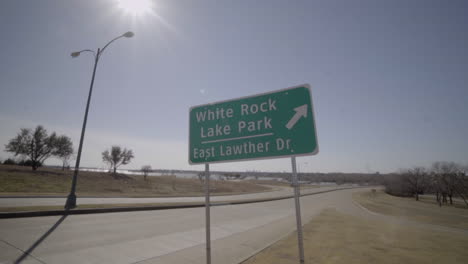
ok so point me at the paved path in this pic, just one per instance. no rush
(35, 201)
(169, 236)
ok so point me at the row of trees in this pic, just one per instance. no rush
(37, 146)
(445, 180)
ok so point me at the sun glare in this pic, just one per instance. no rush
(135, 7)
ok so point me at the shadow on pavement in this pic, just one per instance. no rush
(40, 240)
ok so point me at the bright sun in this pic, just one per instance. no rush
(135, 7)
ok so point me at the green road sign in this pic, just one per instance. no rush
(270, 125)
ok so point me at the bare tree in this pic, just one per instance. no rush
(446, 177)
(63, 149)
(416, 180)
(146, 169)
(117, 157)
(36, 145)
(462, 187)
(438, 182)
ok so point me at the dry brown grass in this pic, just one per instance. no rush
(22, 180)
(334, 237)
(424, 211)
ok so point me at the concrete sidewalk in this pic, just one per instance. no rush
(170, 236)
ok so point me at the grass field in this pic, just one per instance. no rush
(424, 211)
(334, 237)
(17, 180)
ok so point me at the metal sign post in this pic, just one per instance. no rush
(207, 211)
(275, 124)
(298, 210)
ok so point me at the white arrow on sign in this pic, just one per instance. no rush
(301, 111)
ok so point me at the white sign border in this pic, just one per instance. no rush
(315, 152)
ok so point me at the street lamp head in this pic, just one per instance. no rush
(129, 34)
(75, 54)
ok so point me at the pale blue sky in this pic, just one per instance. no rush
(389, 78)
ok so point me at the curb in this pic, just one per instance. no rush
(150, 208)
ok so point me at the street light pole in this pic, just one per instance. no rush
(71, 199)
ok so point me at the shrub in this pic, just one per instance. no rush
(9, 162)
(29, 163)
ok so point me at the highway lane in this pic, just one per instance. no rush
(169, 236)
(35, 201)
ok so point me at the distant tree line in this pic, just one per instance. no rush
(445, 180)
(339, 178)
(36, 146)
(19, 162)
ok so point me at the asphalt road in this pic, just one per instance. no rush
(34, 201)
(169, 236)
